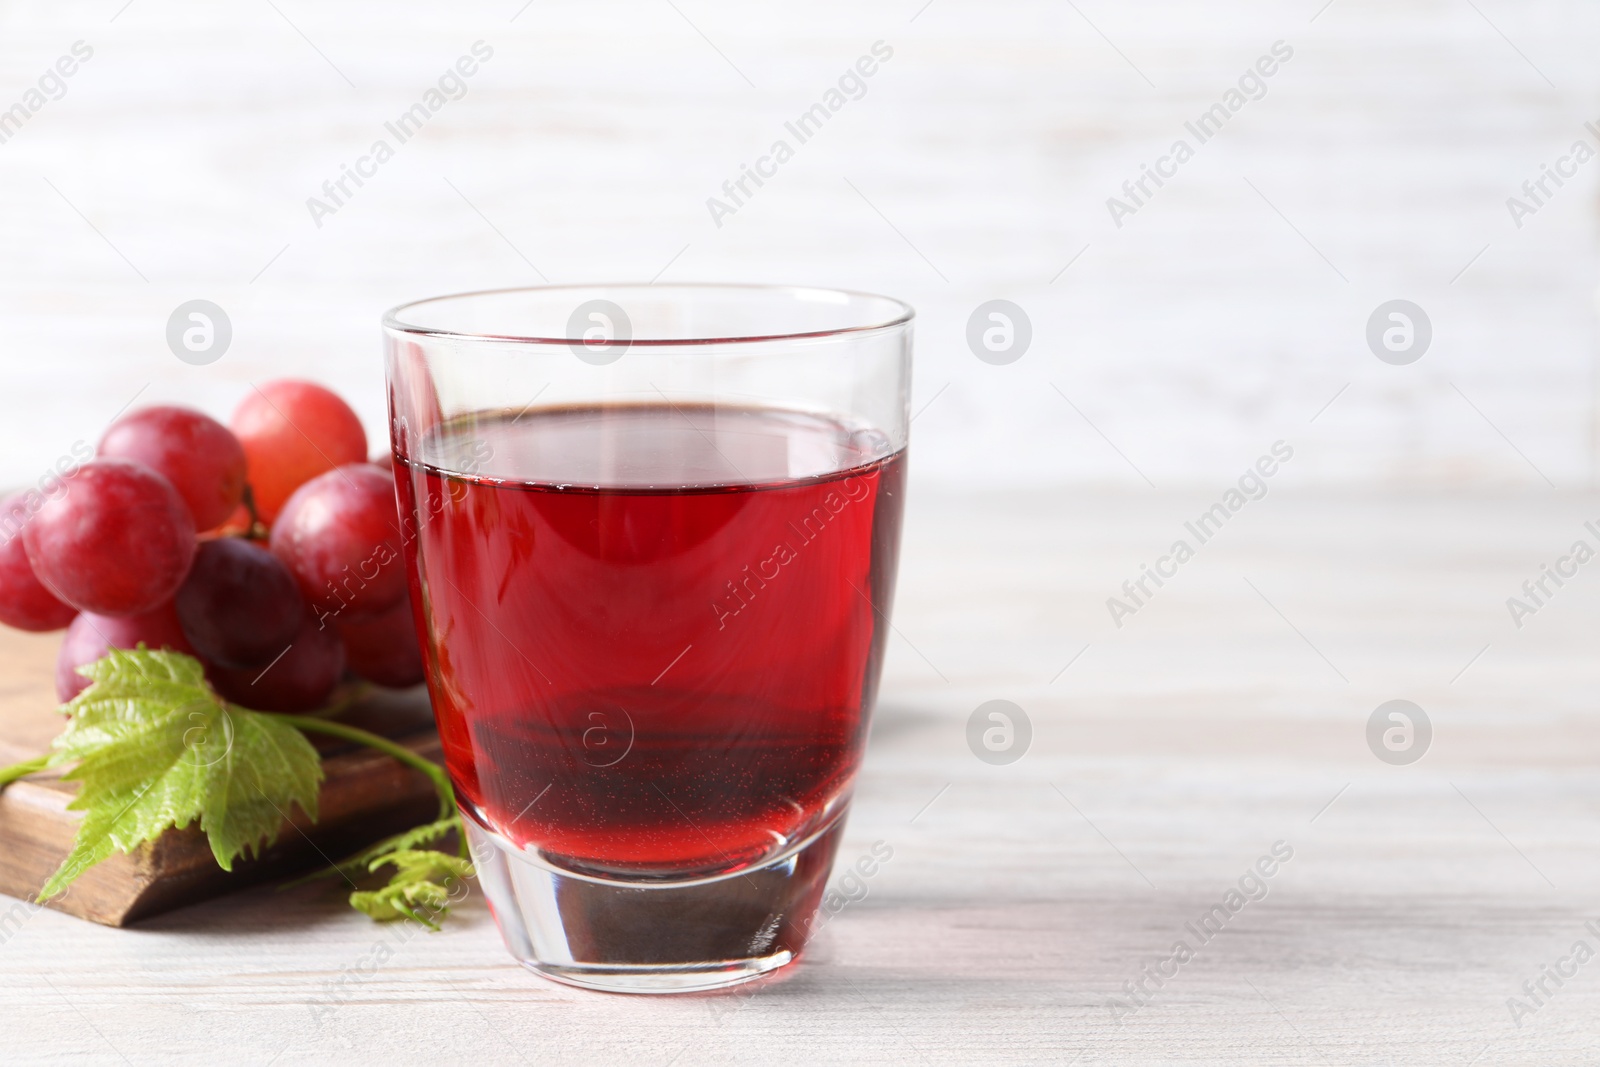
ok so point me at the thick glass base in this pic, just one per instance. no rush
(654, 936)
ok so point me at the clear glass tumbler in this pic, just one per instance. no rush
(652, 539)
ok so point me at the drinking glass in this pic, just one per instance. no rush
(652, 533)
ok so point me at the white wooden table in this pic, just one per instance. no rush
(1228, 714)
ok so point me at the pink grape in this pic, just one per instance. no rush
(384, 650)
(117, 541)
(24, 601)
(239, 606)
(200, 457)
(340, 536)
(90, 635)
(299, 680)
(292, 431)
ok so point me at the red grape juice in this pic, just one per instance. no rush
(653, 632)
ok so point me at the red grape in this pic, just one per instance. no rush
(196, 453)
(298, 680)
(118, 541)
(340, 535)
(292, 431)
(24, 601)
(240, 605)
(384, 650)
(90, 635)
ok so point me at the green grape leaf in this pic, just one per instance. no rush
(155, 748)
(422, 887)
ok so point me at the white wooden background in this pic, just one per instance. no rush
(976, 166)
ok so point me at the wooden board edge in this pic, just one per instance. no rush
(365, 796)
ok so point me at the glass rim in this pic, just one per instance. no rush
(903, 315)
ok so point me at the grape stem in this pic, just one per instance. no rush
(23, 769)
(258, 529)
(354, 695)
(441, 781)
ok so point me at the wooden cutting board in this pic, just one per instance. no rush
(366, 796)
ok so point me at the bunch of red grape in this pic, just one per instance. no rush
(269, 549)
